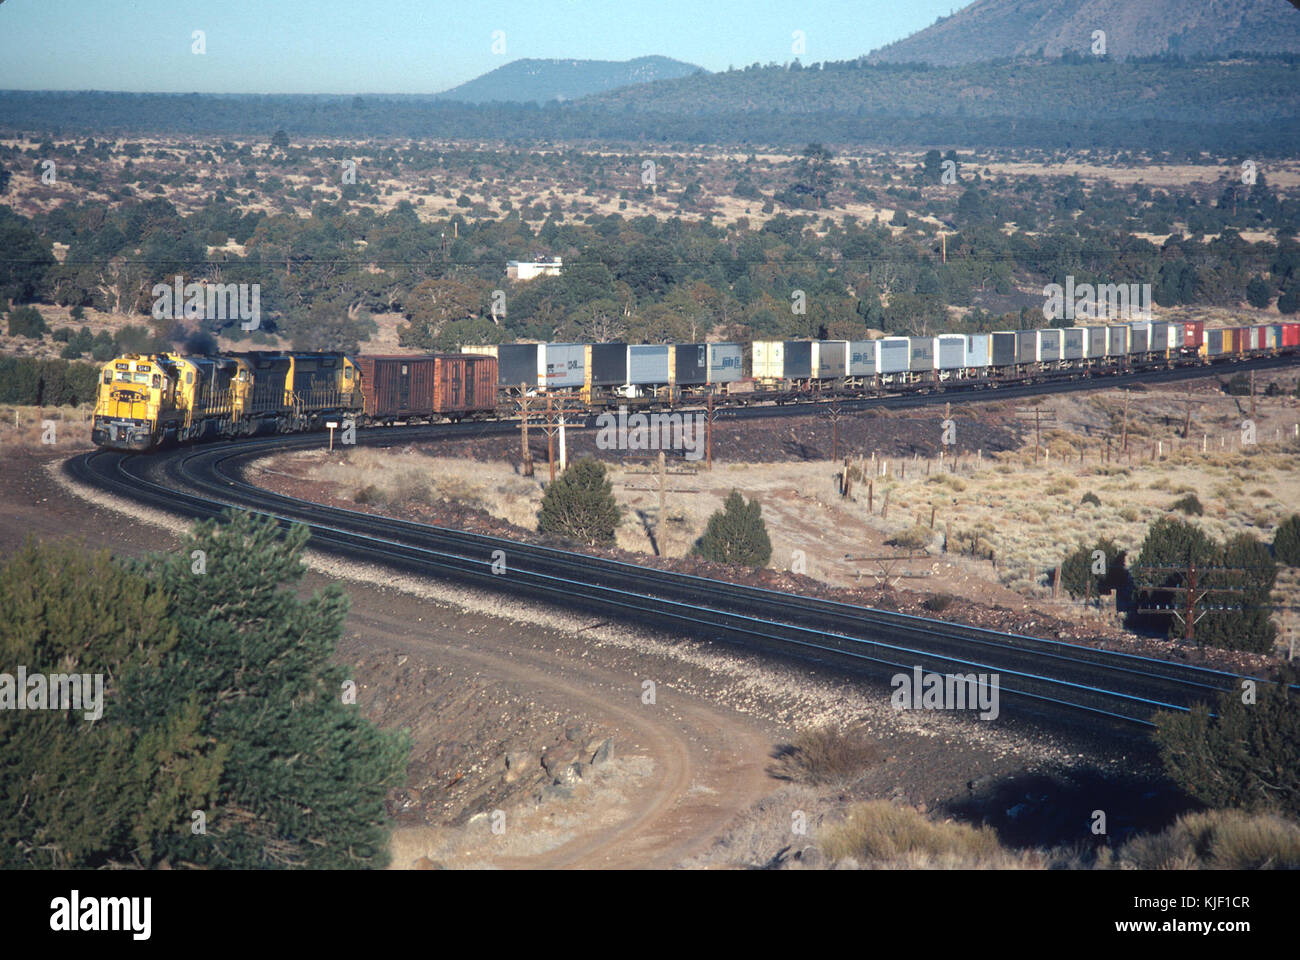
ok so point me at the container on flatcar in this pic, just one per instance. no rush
(952, 351)
(564, 365)
(725, 362)
(1193, 336)
(1004, 348)
(829, 360)
(1273, 336)
(1117, 340)
(979, 348)
(783, 359)
(1159, 342)
(1027, 346)
(516, 362)
(1074, 343)
(1257, 337)
(647, 364)
(1049, 345)
(1291, 334)
(1140, 336)
(1098, 339)
(862, 357)
(606, 364)
(895, 354)
(689, 366)
(923, 353)
(1218, 341)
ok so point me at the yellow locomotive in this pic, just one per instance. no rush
(147, 401)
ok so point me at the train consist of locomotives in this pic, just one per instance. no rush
(148, 401)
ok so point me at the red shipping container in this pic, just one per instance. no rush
(1193, 335)
(1291, 335)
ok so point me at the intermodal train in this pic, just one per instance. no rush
(146, 401)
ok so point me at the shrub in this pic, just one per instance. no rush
(580, 504)
(26, 322)
(736, 534)
(824, 755)
(880, 832)
(1247, 755)
(915, 538)
(1190, 505)
(1092, 498)
(938, 602)
(1217, 840)
(1080, 577)
(1286, 541)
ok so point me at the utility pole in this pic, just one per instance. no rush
(1039, 417)
(1123, 442)
(833, 412)
(525, 404)
(1192, 592)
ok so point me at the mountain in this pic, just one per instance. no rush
(994, 29)
(523, 81)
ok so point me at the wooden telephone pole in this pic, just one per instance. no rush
(1039, 416)
(532, 411)
(1193, 594)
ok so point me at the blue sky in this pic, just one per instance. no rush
(408, 46)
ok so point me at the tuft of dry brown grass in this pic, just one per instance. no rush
(1217, 840)
(879, 833)
(824, 755)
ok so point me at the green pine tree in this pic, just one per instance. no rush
(306, 776)
(580, 504)
(1078, 570)
(736, 534)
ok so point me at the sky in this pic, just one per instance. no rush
(408, 46)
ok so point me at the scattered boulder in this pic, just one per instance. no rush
(604, 753)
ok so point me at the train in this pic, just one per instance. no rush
(146, 401)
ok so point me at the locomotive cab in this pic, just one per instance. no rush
(135, 395)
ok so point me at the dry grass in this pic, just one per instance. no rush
(881, 834)
(824, 755)
(1217, 840)
(26, 426)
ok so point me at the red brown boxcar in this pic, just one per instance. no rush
(450, 385)
(1193, 335)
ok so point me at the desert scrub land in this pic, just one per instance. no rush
(27, 427)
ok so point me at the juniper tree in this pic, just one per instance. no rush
(1246, 755)
(306, 776)
(580, 504)
(1286, 541)
(82, 794)
(1079, 571)
(736, 534)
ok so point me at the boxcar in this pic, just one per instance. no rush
(434, 385)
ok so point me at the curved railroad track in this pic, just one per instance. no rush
(1037, 676)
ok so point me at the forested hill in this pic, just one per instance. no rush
(992, 29)
(537, 81)
(1227, 107)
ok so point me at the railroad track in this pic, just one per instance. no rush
(1037, 676)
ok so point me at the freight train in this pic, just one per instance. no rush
(146, 401)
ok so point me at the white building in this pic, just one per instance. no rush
(530, 269)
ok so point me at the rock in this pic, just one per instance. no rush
(575, 733)
(558, 756)
(555, 791)
(810, 857)
(516, 766)
(604, 753)
(424, 863)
